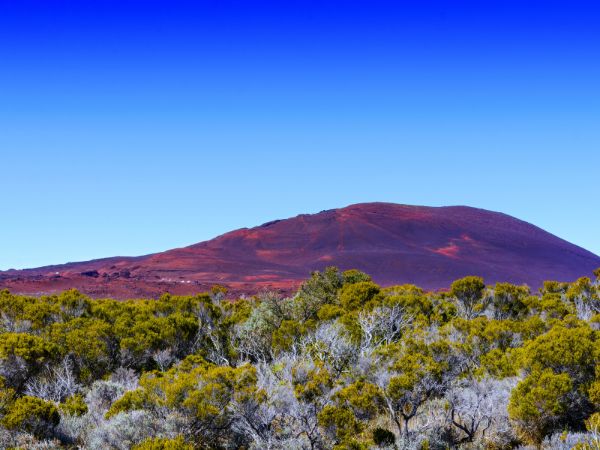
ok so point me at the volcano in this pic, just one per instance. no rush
(395, 244)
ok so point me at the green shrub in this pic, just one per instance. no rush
(163, 444)
(33, 415)
(74, 406)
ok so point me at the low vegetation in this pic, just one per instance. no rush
(343, 364)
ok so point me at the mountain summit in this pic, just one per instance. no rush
(426, 246)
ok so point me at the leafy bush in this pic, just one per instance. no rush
(33, 415)
(342, 364)
(164, 444)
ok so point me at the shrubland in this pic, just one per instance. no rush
(343, 363)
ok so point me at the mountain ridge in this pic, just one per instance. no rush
(394, 243)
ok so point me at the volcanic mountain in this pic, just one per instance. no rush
(426, 246)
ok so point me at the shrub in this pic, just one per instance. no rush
(74, 406)
(164, 444)
(356, 295)
(538, 404)
(33, 415)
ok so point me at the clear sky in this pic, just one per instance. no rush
(133, 127)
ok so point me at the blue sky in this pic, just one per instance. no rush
(133, 127)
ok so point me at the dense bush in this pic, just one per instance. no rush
(33, 415)
(344, 364)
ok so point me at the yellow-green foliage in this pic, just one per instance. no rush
(164, 444)
(340, 422)
(413, 300)
(498, 364)
(136, 399)
(509, 300)
(201, 390)
(289, 332)
(27, 346)
(538, 402)
(74, 405)
(7, 396)
(33, 415)
(354, 276)
(329, 312)
(468, 292)
(364, 399)
(357, 295)
(312, 384)
(562, 349)
(344, 363)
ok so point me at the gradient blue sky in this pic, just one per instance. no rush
(133, 127)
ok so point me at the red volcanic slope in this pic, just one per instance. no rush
(395, 244)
